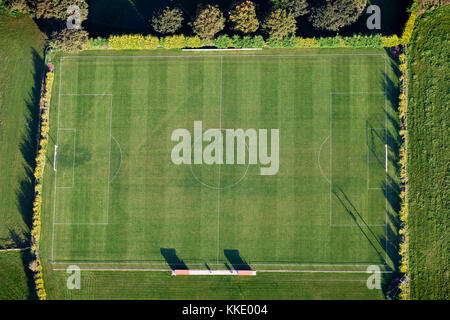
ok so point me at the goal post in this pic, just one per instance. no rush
(55, 157)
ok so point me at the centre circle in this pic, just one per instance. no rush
(221, 168)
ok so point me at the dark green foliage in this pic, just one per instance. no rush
(290, 42)
(360, 41)
(428, 117)
(296, 7)
(237, 41)
(274, 43)
(98, 42)
(57, 9)
(330, 42)
(334, 14)
(258, 42)
(70, 40)
(252, 42)
(222, 41)
(168, 21)
(18, 6)
(280, 24)
(248, 41)
(424, 5)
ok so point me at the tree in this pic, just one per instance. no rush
(57, 9)
(168, 21)
(243, 16)
(280, 23)
(296, 7)
(334, 14)
(22, 6)
(209, 21)
(70, 40)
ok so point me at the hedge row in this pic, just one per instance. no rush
(36, 265)
(404, 285)
(138, 41)
(403, 214)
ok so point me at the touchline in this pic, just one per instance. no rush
(235, 140)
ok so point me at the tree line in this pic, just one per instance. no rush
(244, 17)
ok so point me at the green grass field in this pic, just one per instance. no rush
(428, 157)
(21, 52)
(117, 202)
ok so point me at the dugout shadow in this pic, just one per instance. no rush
(235, 260)
(170, 255)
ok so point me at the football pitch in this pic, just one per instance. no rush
(119, 202)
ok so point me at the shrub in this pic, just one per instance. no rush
(274, 43)
(193, 42)
(290, 42)
(247, 42)
(209, 21)
(35, 265)
(360, 41)
(243, 16)
(133, 41)
(223, 42)
(98, 42)
(167, 21)
(174, 42)
(307, 43)
(390, 41)
(330, 42)
(151, 42)
(70, 40)
(237, 41)
(258, 42)
(409, 27)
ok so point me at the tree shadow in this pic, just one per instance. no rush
(27, 257)
(28, 146)
(355, 215)
(235, 260)
(19, 239)
(172, 259)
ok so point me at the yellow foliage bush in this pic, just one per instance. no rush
(38, 173)
(193, 42)
(409, 27)
(133, 42)
(390, 41)
(174, 42)
(307, 42)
